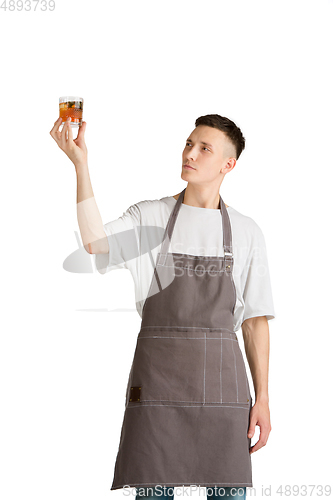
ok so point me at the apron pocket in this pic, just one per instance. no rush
(169, 369)
(235, 385)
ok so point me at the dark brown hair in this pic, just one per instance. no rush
(227, 126)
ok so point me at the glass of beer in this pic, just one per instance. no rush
(71, 107)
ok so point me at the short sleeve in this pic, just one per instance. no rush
(257, 294)
(123, 242)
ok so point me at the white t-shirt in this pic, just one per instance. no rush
(197, 231)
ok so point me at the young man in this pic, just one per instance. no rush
(189, 417)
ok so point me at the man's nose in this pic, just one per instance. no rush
(191, 154)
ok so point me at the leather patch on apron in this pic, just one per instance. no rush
(135, 393)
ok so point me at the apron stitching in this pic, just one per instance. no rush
(232, 345)
(201, 402)
(205, 372)
(207, 405)
(196, 327)
(235, 292)
(185, 338)
(221, 369)
(176, 484)
(244, 370)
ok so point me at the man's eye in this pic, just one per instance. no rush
(188, 143)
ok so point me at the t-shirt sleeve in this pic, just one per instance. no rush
(123, 242)
(257, 294)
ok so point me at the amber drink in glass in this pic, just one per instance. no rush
(71, 106)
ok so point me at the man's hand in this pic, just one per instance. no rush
(259, 415)
(76, 149)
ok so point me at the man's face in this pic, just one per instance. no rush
(211, 155)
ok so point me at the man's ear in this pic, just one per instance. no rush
(230, 164)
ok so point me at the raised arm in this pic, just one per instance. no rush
(90, 222)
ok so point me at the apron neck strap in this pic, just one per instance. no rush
(227, 238)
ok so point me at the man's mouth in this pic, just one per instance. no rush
(189, 166)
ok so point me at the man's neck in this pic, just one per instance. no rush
(177, 195)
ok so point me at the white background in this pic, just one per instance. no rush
(146, 71)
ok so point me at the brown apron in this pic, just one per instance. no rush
(188, 399)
